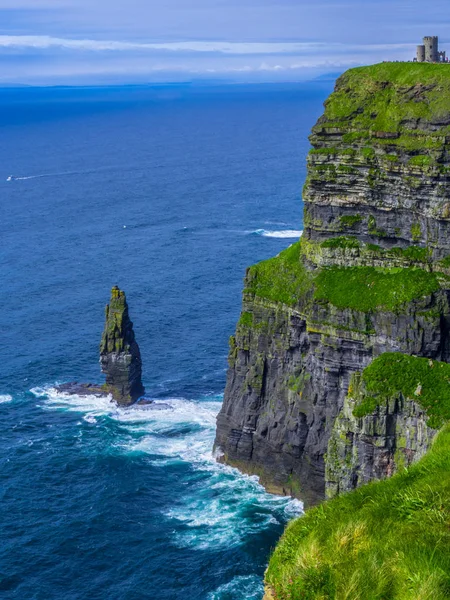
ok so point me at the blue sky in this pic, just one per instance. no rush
(114, 41)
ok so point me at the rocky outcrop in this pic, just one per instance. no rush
(376, 446)
(120, 361)
(370, 276)
(120, 357)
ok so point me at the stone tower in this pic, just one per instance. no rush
(421, 53)
(120, 357)
(431, 48)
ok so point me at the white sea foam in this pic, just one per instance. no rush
(223, 507)
(249, 587)
(14, 178)
(283, 234)
(59, 174)
(5, 398)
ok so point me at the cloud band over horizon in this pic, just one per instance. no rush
(45, 42)
(85, 41)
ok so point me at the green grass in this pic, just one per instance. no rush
(350, 220)
(246, 319)
(421, 160)
(283, 278)
(389, 98)
(445, 262)
(341, 242)
(411, 253)
(388, 540)
(370, 288)
(416, 232)
(382, 97)
(423, 380)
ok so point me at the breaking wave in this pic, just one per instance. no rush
(221, 507)
(283, 234)
(5, 398)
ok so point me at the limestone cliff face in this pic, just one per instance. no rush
(120, 357)
(369, 277)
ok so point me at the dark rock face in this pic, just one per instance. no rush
(287, 410)
(375, 446)
(120, 357)
(288, 381)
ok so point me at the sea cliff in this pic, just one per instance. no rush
(338, 369)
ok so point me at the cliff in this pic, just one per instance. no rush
(338, 370)
(370, 277)
(120, 357)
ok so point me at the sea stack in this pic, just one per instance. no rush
(120, 357)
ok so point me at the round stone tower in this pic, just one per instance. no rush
(431, 48)
(421, 53)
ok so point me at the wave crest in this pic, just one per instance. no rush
(283, 234)
(222, 507)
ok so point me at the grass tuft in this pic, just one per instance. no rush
(283, 278)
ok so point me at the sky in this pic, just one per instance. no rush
(53, 42)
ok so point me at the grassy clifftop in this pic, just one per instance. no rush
(388, 540)
(423, 380)
(370, 275)
(392, 103)
(385, 97)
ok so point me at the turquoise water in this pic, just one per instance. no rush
(169, 193)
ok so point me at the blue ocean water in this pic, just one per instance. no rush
(170, 193)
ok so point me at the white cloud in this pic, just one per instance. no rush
(40, 42)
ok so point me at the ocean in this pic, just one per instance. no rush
(169, 192)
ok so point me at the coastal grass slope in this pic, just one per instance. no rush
(388, 540)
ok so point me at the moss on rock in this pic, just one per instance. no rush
(421, 380)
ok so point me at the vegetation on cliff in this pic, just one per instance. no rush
(283, 278)
(423, 380)
(370, 288)
(286, 279)
(392, 98)
(388, 540)
(370, 276)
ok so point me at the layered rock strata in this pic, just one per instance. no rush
(370, 276)
(120, 357)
